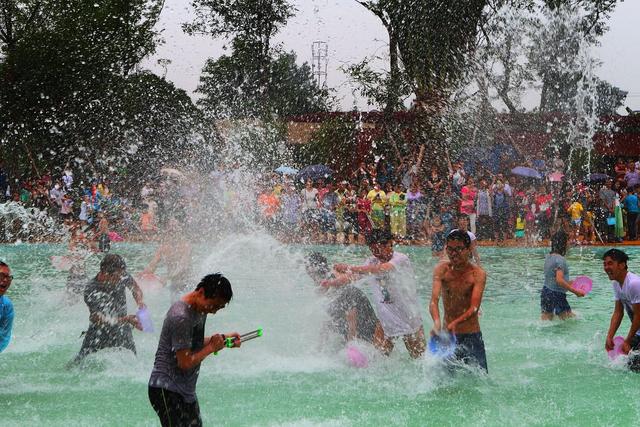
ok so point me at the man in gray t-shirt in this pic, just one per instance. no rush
(181, 349)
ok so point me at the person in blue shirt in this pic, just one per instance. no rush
(6, 307)
(631, 206)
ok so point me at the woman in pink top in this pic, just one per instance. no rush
(468, 202)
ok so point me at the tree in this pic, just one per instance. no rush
(69, 92)
(332, 144)
(250, 25)
(229, 84)
(433, 39)
(460, 57)
(62, 61)
(609, 98)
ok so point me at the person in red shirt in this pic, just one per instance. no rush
(363, 208)
(269, 205)
(543, 200)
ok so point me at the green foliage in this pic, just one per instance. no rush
(244, 19)
(230, 88)
(67, 94)
(377, 87)
(250, 25)
(609, 98)
(434, 38)
(257, 80)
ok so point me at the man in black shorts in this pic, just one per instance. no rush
(350, 312)
(182, 347)
(461, 285)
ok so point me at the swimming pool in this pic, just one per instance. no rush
(539, 374)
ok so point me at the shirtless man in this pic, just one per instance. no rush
(80, 248)
(175, 253)
(461, 285)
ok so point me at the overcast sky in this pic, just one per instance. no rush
(353, 33)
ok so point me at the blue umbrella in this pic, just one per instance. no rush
(314, 172)
(286, 170)
(525, 171)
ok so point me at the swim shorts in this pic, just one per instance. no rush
(173, 410)
(553, 302)
(470, 350)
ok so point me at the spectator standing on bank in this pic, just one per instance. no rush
(468, 195)
(630, 202)
(484, 212)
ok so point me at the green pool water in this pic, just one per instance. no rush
(539, 374)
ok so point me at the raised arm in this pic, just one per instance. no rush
(371, 268)
(352, 324)
(100, 318)
(138, 296)
(339, 279)
(155, 261)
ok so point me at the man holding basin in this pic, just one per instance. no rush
(461, 285)
(626, 289)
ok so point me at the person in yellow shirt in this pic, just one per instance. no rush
(520, 226)
(378, 200)
(576, 210)
(398, 203)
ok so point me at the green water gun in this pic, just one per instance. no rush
(229, 342)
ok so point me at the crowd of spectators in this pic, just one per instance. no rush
(499, 206)
(416, 207)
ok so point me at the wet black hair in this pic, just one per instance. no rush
(462, 216)
(318, 263)
(617, 255)
(459, 236)
(216, 285)
(112, 263)
(379, 236)
(559, 243)
(2, 264)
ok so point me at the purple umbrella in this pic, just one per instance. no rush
(525, 171)
(314, 172)
(597, 177)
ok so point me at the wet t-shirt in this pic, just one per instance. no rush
(109, 301)
(183, 328)
(6, 321)
(396, 298)
(346, 299)
(553, 263)
(628, 294)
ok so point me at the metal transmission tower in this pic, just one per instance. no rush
(320, 54)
